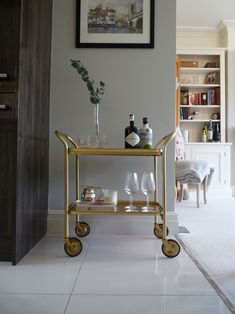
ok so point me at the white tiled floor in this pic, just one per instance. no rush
(112, 275)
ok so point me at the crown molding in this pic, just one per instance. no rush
(227, 31)
(196, 29)
(196, 36)
(225, 24)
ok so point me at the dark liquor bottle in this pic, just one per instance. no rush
(216, 134)
(132, 134)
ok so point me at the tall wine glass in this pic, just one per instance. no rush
(147, 188)
(131, 188)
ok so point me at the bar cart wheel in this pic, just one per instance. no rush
(82, 229)
(73, 247)
(158, 231)
(170, 248)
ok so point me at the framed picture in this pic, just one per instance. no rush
(115, 24)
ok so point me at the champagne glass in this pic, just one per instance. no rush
(147, 188)
(131, 188)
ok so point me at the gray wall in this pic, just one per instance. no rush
(139, 81)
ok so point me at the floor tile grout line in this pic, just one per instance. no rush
(83, 259)
(33, 293)
(220, 293)
(146, 295)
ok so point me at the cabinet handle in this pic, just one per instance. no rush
(5, 107)
(19, 138)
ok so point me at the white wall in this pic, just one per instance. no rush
(139, 81)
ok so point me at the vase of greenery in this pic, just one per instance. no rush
(95, 93)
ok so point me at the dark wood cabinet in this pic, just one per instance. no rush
(25, 37)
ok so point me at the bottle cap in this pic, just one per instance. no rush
(145, 120)
(131, 116)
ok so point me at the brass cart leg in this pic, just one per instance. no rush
(66, 194)
(72, 246)
(170, 248)
(158, 227)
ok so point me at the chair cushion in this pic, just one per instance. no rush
(192, 171)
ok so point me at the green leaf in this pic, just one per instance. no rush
(95, 93)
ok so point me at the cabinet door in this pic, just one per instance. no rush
(7, 188)
(219, 157)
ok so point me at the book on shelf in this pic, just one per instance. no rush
(210, 97)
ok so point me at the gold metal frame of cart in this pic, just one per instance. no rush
(73, 246)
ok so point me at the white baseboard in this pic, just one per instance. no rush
(108, 224)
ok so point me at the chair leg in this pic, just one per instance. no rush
(205, 183)
(181, 192)
(198, 195)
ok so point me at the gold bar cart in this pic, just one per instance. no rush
(73, 246)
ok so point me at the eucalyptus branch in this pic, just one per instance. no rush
(95, 93)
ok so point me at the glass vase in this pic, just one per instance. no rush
(96, 120)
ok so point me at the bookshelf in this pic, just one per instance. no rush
(202, 98)
(202, 92)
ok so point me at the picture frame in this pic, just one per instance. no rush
(115, 24)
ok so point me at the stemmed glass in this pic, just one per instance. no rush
(147, 188)
(131, 188)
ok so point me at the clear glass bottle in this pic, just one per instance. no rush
(203, 135)
(210, 132)
(146, 135)
(132, 134)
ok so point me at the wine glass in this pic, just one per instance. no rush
(131, 188)
(147, 188)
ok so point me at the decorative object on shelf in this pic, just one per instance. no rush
(115, 24)
(212, 78)
(215, 116)
(88, 193)
(110, 196)
(94, 141)
(95, 93)
(193, 115)
(212, 65)
(189, 63)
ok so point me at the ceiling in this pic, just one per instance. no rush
(204, 13)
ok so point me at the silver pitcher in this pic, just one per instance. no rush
(88, 193)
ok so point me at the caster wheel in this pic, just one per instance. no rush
(158, 231)
(73, 247)
(170, 248)
(83, 230)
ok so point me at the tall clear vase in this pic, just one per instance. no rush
(96, 120)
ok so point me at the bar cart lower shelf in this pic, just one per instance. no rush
(72, 245)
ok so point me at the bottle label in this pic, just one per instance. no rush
(146, 137)
(210, 135)
(132, 139)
